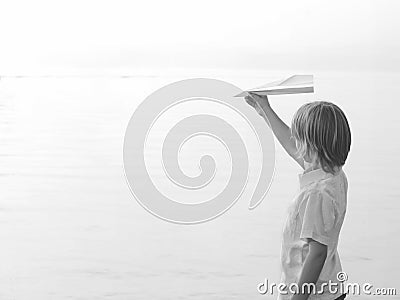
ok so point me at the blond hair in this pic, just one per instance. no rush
(322, 128)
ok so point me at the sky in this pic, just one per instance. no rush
(46, 36)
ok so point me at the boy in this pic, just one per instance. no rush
(319, 141)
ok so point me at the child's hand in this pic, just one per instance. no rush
(262, 100)
(258, 102)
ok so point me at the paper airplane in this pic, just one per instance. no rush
(295, 84)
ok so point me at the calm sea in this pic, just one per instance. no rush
(70, 229)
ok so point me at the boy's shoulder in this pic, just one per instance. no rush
(333, 187)
(317, 182)
(331, 183)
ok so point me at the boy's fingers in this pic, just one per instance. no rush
(259, 98)
(247, 98)
(250, 102)
(252, 94)
(255, 96)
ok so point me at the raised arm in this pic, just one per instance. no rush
(278, 127)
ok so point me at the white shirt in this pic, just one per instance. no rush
(317, 212)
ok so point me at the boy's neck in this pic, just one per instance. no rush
(316, 165)
(312, 166)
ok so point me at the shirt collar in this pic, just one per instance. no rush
(311, 176)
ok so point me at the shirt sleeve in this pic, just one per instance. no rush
(318, 218)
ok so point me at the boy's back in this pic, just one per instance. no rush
(317, 212)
